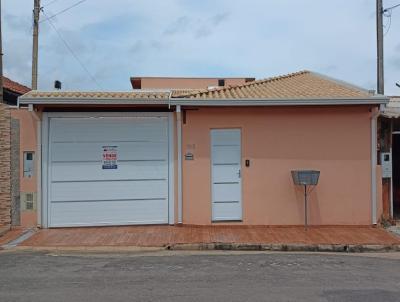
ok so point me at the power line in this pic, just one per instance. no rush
(387, 12)
(50, 3)
(72, 52)
(391, 8)
(62, 11)
(388, 15)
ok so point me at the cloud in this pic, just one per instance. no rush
(137, 47)
(257, 38)
(18, 23)
(329, 68)
(219, 18)
(180, 25)
(203, 32)
(394, 62)
(197, 27)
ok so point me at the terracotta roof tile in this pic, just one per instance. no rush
(178, 92)
(14, 86)
(299, 85)
(151, 95)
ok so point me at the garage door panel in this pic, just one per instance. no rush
(108, 190)
(81, 192)
(116, 129)
(86, 171)
(109, 213)
(71, 152)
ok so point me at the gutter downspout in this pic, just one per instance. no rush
(179, 143)
(374, 155)
(391, 178)
(38, 164)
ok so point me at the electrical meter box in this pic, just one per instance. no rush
(386, 163)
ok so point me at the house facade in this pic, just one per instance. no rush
(186, 82)
(211, 156)
(22, 159)
(389, 150)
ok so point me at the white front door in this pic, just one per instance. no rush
(226, 174)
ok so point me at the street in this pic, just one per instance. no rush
(196, 276)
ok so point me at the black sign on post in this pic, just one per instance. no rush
(305, 178)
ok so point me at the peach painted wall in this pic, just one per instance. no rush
(187, 83)
(334, 140)
(27, 140)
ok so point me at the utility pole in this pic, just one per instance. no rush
(35, 46)
(379, 35)
(1, 60)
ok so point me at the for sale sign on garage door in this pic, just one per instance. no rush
(110, 157)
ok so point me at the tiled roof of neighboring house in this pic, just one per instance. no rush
(392, 108)
(162, 95)
(14, 86)
(299, 85)
(394, 102)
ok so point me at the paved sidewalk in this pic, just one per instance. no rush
(164, 236)
(11, 235)
(395, 229)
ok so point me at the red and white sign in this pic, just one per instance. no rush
(110, 157)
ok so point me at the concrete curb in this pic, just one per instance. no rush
(89, 249)
(336, 248)
(294, 247)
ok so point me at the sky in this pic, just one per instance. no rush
(117, 39)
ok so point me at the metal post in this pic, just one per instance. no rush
(379, 36)
(35, 45)
(305, 208)
(374, 156)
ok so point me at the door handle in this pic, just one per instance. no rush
(239, 173)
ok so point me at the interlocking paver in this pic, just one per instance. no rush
(168, 235)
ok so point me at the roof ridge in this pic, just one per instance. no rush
(252, 83)
(95, 94)
(101, 91)
(339, 82)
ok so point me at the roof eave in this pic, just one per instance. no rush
(92, 101)
(373, 100)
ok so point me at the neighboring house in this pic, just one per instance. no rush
(215, 156)
(389, 147)
(185, 82)
(12, 90)
(23, 146)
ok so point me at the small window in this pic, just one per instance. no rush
(28, 164)
(221, 82)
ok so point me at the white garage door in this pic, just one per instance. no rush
(108, 171)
